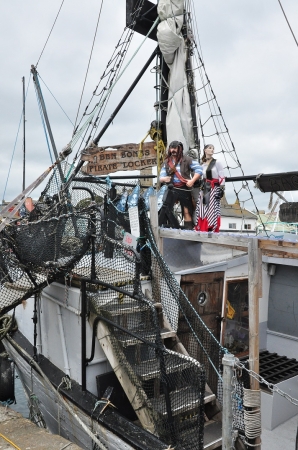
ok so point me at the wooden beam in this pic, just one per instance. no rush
(237, 242)
(268, 247)
(279, 249)
(154, 221)
(254, 269)
(280, 254)
(269, 243)
(135, 393)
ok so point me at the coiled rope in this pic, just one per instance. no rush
(252, 417)
(7, 324)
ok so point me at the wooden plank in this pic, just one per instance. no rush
(260, 280)
(105, 160)
(287, 181)
(135, 394)
(270, 244)
(154, 221)
(235, 242)
(280, 254)
(254, 267)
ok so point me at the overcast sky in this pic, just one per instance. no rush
(250, 56)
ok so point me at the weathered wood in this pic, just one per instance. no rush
(260, 280)
(279, 249)
(254, 267)
(273, 182)
(154, 221)
(105, 160)
(280, 254)
(135, 394)
(238, 243)
(269, 243)
(147, 181)
(288, 212)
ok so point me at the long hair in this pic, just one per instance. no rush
(179, 146)
(204, 159)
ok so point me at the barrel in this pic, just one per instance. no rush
(288, 212)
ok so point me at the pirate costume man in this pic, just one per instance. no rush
(183, 173)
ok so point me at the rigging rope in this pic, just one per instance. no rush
(87, 71)
(116, 62)
(221, 130)
(288, 22)
(55, 98)
(49, 34)
(77, 135)
(60, 397)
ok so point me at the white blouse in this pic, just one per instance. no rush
(216, 171)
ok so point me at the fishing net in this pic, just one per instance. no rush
(164, 349)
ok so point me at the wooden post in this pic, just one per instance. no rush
(254, 269)
(154, 221)
(147, 181)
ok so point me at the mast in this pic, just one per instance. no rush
(43, 106)
(24, 138)
(190, 80)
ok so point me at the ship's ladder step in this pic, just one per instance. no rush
(139, 371)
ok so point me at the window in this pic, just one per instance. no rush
(247, 226)
(232, 225)
(236, 325)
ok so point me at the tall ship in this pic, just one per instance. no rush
(128, 328)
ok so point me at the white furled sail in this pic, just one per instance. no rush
(171, 42)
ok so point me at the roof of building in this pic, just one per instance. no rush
(235, 210)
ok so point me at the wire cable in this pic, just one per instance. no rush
(49, 34)
(87, 71)
(288, 22)
(55, 99)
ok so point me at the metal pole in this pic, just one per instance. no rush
(44, 110)
(97, 138)
(190, 85)
(164, 93)
(227, 412)
(83, 333)
(24, 140)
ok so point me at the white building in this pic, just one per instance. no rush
(235, 219)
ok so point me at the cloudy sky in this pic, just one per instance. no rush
(250, 56)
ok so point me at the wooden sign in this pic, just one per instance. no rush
(286, 181)
(105, 160)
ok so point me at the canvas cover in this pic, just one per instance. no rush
(179, 122)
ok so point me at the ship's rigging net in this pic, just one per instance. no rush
(77, 233)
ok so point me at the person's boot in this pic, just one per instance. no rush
(188, 225)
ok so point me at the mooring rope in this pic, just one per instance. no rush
(9, 441)
(60, 397)
(252, 417)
